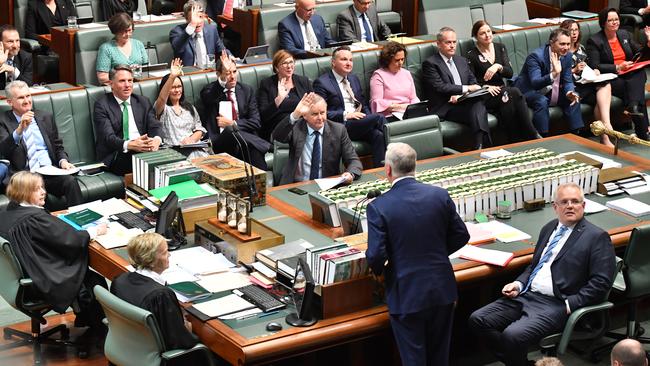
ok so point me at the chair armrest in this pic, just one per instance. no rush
(30, 45)
(449, 151)
(178, 353)
(26, 282)
(631, 19)
(573, 320)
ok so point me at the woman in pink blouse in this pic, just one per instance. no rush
(391, 87)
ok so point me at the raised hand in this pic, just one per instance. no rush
(556, 65)
(196, 17)
(4, 54)
(25, 121)
(176, 68)
(303, 106)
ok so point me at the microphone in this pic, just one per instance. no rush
(373, 193)
(250, 179)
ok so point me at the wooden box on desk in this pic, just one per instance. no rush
(210, 236)
(343, 297)
(226, 172)
(194, 215)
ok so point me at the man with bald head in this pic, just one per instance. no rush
(629, 352)
(303, 30)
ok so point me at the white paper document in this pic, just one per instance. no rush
(607, 163)
(589, 76)
(158, 73)
(176, 274)
(117, 235)
(630, 206)
(503, 232)
(224, 305)
(54, 171)
(328, 183)
(92, 26)
(225, 109)
(113, 206)
(506, 27)
(198, 260)
(593, 207)
(489, 256)
(495, 153)
(224, 281)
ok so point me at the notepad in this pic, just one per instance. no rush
(489, 256)
(223, 306)
(629, 206)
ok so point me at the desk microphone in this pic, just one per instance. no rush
(373, 193)
(246, 155)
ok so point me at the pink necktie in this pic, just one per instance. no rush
(232, 103)
(555, 90)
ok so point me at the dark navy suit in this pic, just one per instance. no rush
(415, 227)
(370, 128)
(534, 79)
(290, 34)
(183, 43)
(582, 274)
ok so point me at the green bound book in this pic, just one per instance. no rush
(184, 190)
(83, 217)
(190, 290)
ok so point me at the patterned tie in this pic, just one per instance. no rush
(366, 27)
(28, 137)
(555, 90)
(546, 256)
(454, 72)
(10, 75)
(348, 89)
(199, 51)
(315, 157)
(125, 120)
(312, 41)
(232, 104)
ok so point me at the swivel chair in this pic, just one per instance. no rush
(15, 288)
(134, 338)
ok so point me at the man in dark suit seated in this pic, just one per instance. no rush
(412, 230)
(572, 267)
(124, 123)
(360, 22)
(446, 76)
(30, 140)
(316, 145)
(346, 104)
(546, 80)
(303, 30)
(234, 130)
(194, 41)
(15, 64)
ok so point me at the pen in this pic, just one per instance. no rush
(267, 314)
(245, 317)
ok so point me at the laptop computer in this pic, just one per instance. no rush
(419, 109)
(256, 55)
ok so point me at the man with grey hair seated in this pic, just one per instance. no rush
(629, 352)
(412, 230)
(572, 267)
(30, 140)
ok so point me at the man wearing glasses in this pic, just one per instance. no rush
(572, 267)
(360, 22)
(303, 30)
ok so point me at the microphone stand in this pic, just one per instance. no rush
(250, 179)
(357, 213)
(502, 13)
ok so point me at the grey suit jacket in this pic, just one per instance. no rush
(348, 26)
(336, 146)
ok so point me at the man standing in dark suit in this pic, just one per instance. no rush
(360, 22)
(303, 30)
(572, 267)
(346, 104)
(124, 123)
(15, 64)
(412, 230)
(30, 140)
(316, 145)
(192, 42)
(546, 80)
(447, 76)
(234, 130)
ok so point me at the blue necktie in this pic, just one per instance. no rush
(546, 256)
(315, 157)
(366, 27)
(10, 75)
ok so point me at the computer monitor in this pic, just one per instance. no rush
(166, 216)
(303, 294)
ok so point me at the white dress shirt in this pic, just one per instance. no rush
(151, 274)
(446, 60)
(347, 99)
(360, 20)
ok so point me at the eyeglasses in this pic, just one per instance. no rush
(288, 63)
(565, 203)
(575, 31)
(612, 21)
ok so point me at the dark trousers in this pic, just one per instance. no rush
(228, 143)
(64, 185)
(509, 326)
(471, 113)
(369, 129)
(423, 338)
(87, 309)
(512, 113)
(631, 88)
(541, 116)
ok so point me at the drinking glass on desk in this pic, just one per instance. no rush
(210, 61)
(72, 22)
(137, 16)
(137, 71)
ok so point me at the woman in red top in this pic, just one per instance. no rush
(613, 50)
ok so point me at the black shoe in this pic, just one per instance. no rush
(633, 110)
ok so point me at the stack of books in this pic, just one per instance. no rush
(283, 258)
(144, 165)
(336, 262)
(176, 172)
(190, 194)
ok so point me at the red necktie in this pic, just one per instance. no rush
(232, 104)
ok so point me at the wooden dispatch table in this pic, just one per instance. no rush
(258, 346)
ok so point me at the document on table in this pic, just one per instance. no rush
(589, 76)
(489, 256)
(630, 206)
(92, 25)
(51, 170)
(225, 109)
(498, 153)
(198, 260)
(224, 281)
(607, 163)
(224, 305)
(594, 207)
(117, 235)
(176, 274)
(507, 27)
(503, 232)
(328, 183)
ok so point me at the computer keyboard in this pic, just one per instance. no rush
(259, 297)
(131, 220)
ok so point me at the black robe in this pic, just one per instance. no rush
(52, 253)
(161, 301)
(112, 7)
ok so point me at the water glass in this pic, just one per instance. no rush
(137, 16)
(210, 64)
(137, 71)
(72, 22)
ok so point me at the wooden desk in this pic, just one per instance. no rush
(246, 23)
(238, 349)
(62, 42)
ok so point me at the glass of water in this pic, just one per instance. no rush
(137, 71)
(137, 16)
(72, 22)
(210, 64)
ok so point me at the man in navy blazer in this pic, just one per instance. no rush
(193, 41)
(412, 230)
(124, 123)
(296, 29)
(351, 110)
(544, 68)
(572, 267)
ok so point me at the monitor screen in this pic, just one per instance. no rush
(303, 289)
(166, 215)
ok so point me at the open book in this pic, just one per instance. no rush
(589, 76)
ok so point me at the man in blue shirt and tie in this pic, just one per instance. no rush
(317, 145)
(572, 267)
(360, 22)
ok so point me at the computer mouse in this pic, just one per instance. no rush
(273, 327)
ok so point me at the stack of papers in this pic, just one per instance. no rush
(630, 206)
(224, 305)
(489, 256)
(117, 235)
(503, 232)
(199, 261)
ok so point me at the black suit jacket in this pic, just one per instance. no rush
(39, 17)
(107, 119)
(17, 153)
(248, 120)
(583, 270)
(22, 61)
(632, 6)
(600, 56)
(270, 113)
(348, 27)
(327, 87)
(439, 84)
(336, 146)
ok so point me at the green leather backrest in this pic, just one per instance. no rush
(10, 273)
(423, 134)
(280, 158)
(20, 13)
(636, 268)
(133, 337)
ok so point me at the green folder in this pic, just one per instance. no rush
(191, 290)
(184, 190)
(83, 217)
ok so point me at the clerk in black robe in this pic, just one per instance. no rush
(112, 7)
(52, 253)
(145, 288)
